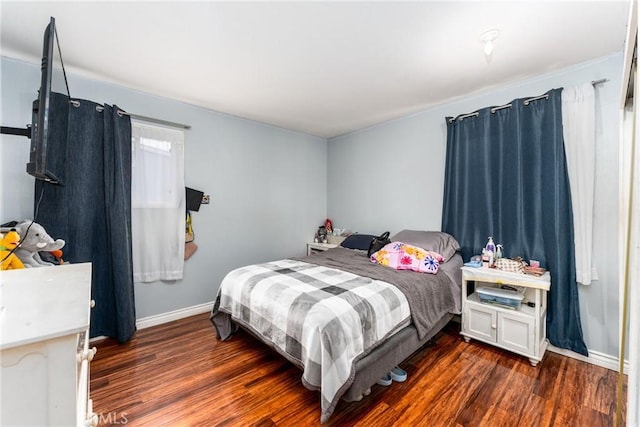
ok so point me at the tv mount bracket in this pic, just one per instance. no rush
(16, 131)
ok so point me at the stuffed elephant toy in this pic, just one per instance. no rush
(34, 241)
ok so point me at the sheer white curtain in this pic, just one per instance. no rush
(579, 131)
(157, 202)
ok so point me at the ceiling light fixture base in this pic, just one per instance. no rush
(487, 38)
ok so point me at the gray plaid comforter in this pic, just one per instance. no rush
(322, 319)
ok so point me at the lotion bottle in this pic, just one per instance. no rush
(490, 248)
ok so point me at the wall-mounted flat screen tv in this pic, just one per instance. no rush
(48, 124)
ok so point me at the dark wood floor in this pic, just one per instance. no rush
(179, 374)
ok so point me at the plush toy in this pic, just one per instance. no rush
(35, 240)
(9, 260)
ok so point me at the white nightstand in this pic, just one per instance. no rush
(319, 247)
(521, 331)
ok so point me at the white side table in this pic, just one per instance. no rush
(521, 331)
(319, 247)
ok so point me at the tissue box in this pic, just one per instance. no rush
(501, 297)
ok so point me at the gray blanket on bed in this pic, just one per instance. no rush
(438, 294)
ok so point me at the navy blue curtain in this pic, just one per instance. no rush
(506, 177)
(92, 210)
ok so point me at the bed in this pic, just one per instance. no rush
(342, 319)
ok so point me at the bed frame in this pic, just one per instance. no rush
(388, 355)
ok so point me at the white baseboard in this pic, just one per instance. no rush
(158, 319)
(595, 358)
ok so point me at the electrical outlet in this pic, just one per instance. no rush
(205, 199)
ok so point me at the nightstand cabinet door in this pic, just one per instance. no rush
(481, 322)
(516, 332)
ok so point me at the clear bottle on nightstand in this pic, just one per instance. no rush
(490, 250)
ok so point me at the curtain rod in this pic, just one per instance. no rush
(526, 102)
(100, 108)
(152, 120)
(494, 109)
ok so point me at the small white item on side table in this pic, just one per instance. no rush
(319, 247)
(521, 331)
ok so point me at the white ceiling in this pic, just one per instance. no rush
(324, 68)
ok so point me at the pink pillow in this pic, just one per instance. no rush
(401, 256)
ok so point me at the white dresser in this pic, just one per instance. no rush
(44, 346)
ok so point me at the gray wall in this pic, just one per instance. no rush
(363, 196)
(267, 184)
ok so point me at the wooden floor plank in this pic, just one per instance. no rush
(179, 374)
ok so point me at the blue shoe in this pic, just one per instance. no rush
(398, 375)
(385, 381)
